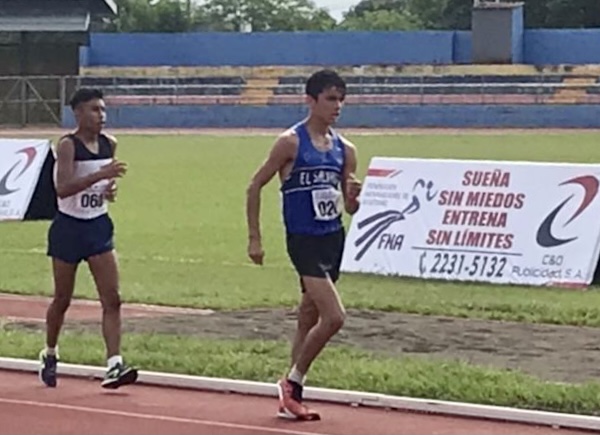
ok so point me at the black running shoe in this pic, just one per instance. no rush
(47, 371)
(119, 375)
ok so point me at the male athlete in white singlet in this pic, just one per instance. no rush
(82, 230)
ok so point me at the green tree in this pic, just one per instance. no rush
(572, 14)
(263, 15)
(365, 6)
(151, 16)
(380, 15)
(172, 16)
(379, 20)
(456, 15)
(295, 15)
(429, 12)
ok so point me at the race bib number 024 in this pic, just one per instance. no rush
(327, 204)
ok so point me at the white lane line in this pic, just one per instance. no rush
(165, 418)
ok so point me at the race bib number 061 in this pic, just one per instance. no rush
(92, 200)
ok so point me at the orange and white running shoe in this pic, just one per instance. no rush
(290, 402)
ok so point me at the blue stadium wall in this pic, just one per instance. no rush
(539, 47)
(372, 116)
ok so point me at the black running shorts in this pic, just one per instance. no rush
(317, 256)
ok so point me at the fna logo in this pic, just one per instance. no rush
(375, 224)
(548, 235)
(12, 176)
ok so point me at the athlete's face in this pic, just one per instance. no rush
(92, 115)
(328, 105)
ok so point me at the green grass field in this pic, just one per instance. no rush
(181, 233)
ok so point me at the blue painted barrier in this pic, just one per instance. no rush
(281, 116)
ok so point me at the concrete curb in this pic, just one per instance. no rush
(353, 398)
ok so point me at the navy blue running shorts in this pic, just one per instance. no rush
(73, 240)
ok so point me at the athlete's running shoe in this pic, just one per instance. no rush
(290, 402)
(119, 375)
(47, 371)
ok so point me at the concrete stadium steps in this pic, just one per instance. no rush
(172, 71)
(260, 86)
(258, 91)
(250, 71)
(575, 94)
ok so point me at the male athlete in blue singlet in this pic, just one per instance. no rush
(317, 171)
(82, 230)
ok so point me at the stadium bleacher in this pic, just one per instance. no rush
(168, 90)
(375, 87)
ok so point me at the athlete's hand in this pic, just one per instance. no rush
(353, 187)
(255, 251)
(110, 193)
(114, 169)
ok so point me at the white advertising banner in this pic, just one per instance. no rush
(469, 220)
(21, 162)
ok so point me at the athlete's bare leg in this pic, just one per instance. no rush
(104, 269)
(308, 316)
(324, 296)
(320, 301)
(64, 285)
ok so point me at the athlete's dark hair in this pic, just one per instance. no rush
(322, 80)
(83, 95)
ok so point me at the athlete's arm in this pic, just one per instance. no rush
(351, 186)
(110, 193)
(113, 143)
(280, 154)
(66, 183)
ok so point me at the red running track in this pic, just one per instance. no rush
(81, 406)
